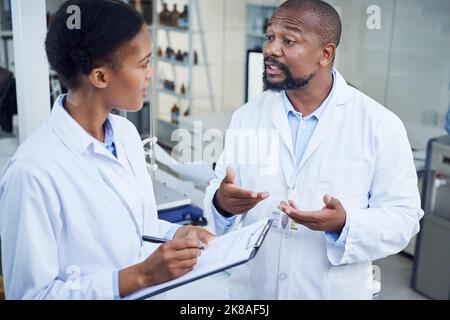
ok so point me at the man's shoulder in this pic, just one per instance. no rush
(371, 108)
(258, 105)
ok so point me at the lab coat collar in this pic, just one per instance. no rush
(331, 117)
(319, 111)
(70, 132)
(328, 119)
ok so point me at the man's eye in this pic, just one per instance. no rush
(269, 37)
(289, 42)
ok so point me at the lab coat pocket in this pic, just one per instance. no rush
(351, 281)
(346, 180)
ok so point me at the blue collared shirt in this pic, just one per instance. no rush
(302, 129)
(109, 138)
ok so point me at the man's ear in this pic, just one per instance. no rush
(99, 78)
(327, 54)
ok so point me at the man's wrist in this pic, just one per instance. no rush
(222, 212)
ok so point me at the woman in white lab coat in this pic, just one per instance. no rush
(76, 198)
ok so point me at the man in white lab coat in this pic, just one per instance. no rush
(333, 160)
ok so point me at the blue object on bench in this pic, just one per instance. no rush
(188, 214)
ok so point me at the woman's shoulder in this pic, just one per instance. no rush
(38, 150)
(124, 127)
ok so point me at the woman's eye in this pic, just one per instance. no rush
(149, 61)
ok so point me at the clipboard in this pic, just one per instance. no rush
(247, 241)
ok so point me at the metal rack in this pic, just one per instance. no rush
(165, 128)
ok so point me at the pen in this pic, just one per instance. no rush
(154, 239)
(162, 240)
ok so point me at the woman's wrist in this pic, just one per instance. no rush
(134, 278)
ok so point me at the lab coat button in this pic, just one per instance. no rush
(283, 276)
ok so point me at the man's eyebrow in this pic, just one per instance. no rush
(146, 57)
(295, 29)
(289, 27)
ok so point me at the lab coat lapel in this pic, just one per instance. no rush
(118, 189)
(281, 124)
(330, 118)
(280, 121)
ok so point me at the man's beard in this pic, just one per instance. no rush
(289, 82)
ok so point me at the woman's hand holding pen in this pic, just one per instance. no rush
(171, 260)
(191, 232)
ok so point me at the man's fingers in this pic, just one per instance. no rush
(263, 195)
(330, 202)
(307, 216)
(230, 176)
(232, 191)
(292, 204)
(303, 216)
(244, 201)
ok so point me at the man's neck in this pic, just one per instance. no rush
(89, 111)
(309, 99)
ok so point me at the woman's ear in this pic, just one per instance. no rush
(99, 78)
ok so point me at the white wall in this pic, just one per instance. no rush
(405, 65)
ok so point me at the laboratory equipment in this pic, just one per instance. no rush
(431, 272)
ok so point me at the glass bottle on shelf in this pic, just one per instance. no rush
(183, 89)
(179, 56)
(174, 16)
(169, 53)
(195, 57)
(175, 114)
(164, 15)
(159, 52)
(183, 21)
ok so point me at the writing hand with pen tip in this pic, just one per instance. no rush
(170, 260)
(230, 199)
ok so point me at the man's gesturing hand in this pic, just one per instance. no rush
(330, 218)
(235, 200)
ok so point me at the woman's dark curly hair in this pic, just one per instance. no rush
(106, 25)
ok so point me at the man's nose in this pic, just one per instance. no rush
(272, 48)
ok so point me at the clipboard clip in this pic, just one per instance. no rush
(263, 234)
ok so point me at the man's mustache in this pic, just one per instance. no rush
(277, 64)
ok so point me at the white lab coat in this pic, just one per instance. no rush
(71, 214)
(360, 154)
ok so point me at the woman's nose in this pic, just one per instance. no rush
(149, 73)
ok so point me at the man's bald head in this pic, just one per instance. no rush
(328, 23)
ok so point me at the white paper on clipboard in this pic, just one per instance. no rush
(223, 252)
